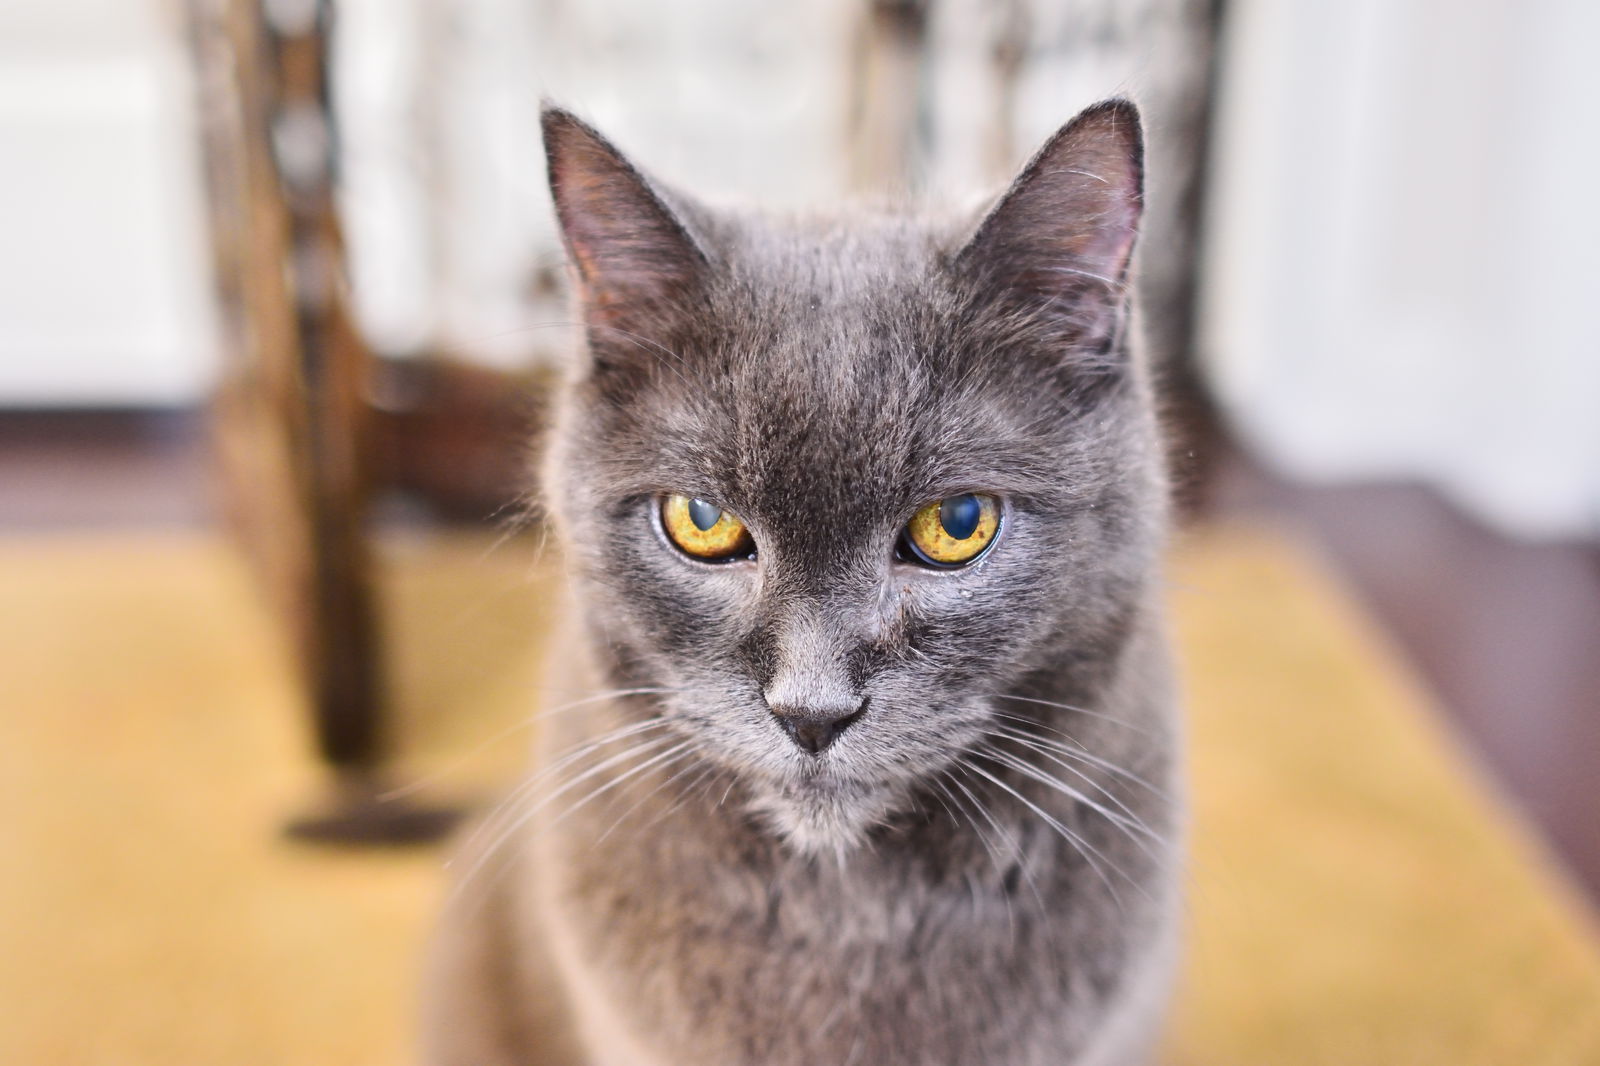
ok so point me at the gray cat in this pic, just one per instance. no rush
(864, 518)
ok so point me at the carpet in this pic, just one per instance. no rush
(1359, 892)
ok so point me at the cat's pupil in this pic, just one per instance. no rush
(705, 515)
(959, 516)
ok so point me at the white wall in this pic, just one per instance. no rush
(104, 297)
(1405, 274)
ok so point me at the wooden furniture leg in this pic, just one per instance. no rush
(291, 408)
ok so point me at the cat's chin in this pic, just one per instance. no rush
(816, 819)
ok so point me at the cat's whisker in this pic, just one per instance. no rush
(526, 841)
(1018, 854)
(643, 747)
(1122, 816)
(1078, 752)
(660, 787)
(995, 858)
(1110, 796)
(700, 786)
(834, 1014)
(524, 791)
(402, 791)
(995, 854)
(944, 802)
(526, 800)
(1072, 746)
(582, 751)
(606, 786)
(1135, 828)
(856, 1045)
(616, 693)
(532, 327)
(576, 753)
(1077, 710)
(531, 513)
(1091, 854)
(511, 525)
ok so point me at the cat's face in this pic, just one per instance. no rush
(837, 485)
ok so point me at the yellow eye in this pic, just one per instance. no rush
(954, 530)
(703, 529)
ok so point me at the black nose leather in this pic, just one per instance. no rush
(813, 729)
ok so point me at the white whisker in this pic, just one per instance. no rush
(1048, 755)
(994, 854)
(504, 811)
(593, 794)
(1077, 710)
(402, 791)
(1076, 750)
(1086, 849)
(1135, 829)
(660, 786)
(699, 786)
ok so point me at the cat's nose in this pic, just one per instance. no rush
(814, 728)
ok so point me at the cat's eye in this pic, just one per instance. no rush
(953, 531)
(704, 530)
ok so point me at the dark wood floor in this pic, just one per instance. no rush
(1507, 634)
(93, 469)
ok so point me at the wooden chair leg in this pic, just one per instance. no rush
(292, 417)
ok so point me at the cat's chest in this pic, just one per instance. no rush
(727, 920)
(779, 965)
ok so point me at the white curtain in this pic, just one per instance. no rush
(1404, 278)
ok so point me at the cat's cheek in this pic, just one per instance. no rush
(978, 626)
(983, 588)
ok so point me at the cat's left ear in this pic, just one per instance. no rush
(1061, 238)
(634, 257)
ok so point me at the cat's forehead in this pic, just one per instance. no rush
(810, 395)
(843, 257)
(835, 367)
(825, 309)
(828, 322)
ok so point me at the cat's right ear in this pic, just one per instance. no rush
(634, 258)
(1059, 241)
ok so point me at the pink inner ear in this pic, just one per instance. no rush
(627, 245)
(1109, 211)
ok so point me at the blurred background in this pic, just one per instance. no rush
(287, 269)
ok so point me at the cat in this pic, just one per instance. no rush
(864, 517)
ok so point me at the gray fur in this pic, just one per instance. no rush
(925, 891)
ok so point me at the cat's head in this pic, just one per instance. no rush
(837, 483)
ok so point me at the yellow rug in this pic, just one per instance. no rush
(1359, 896)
